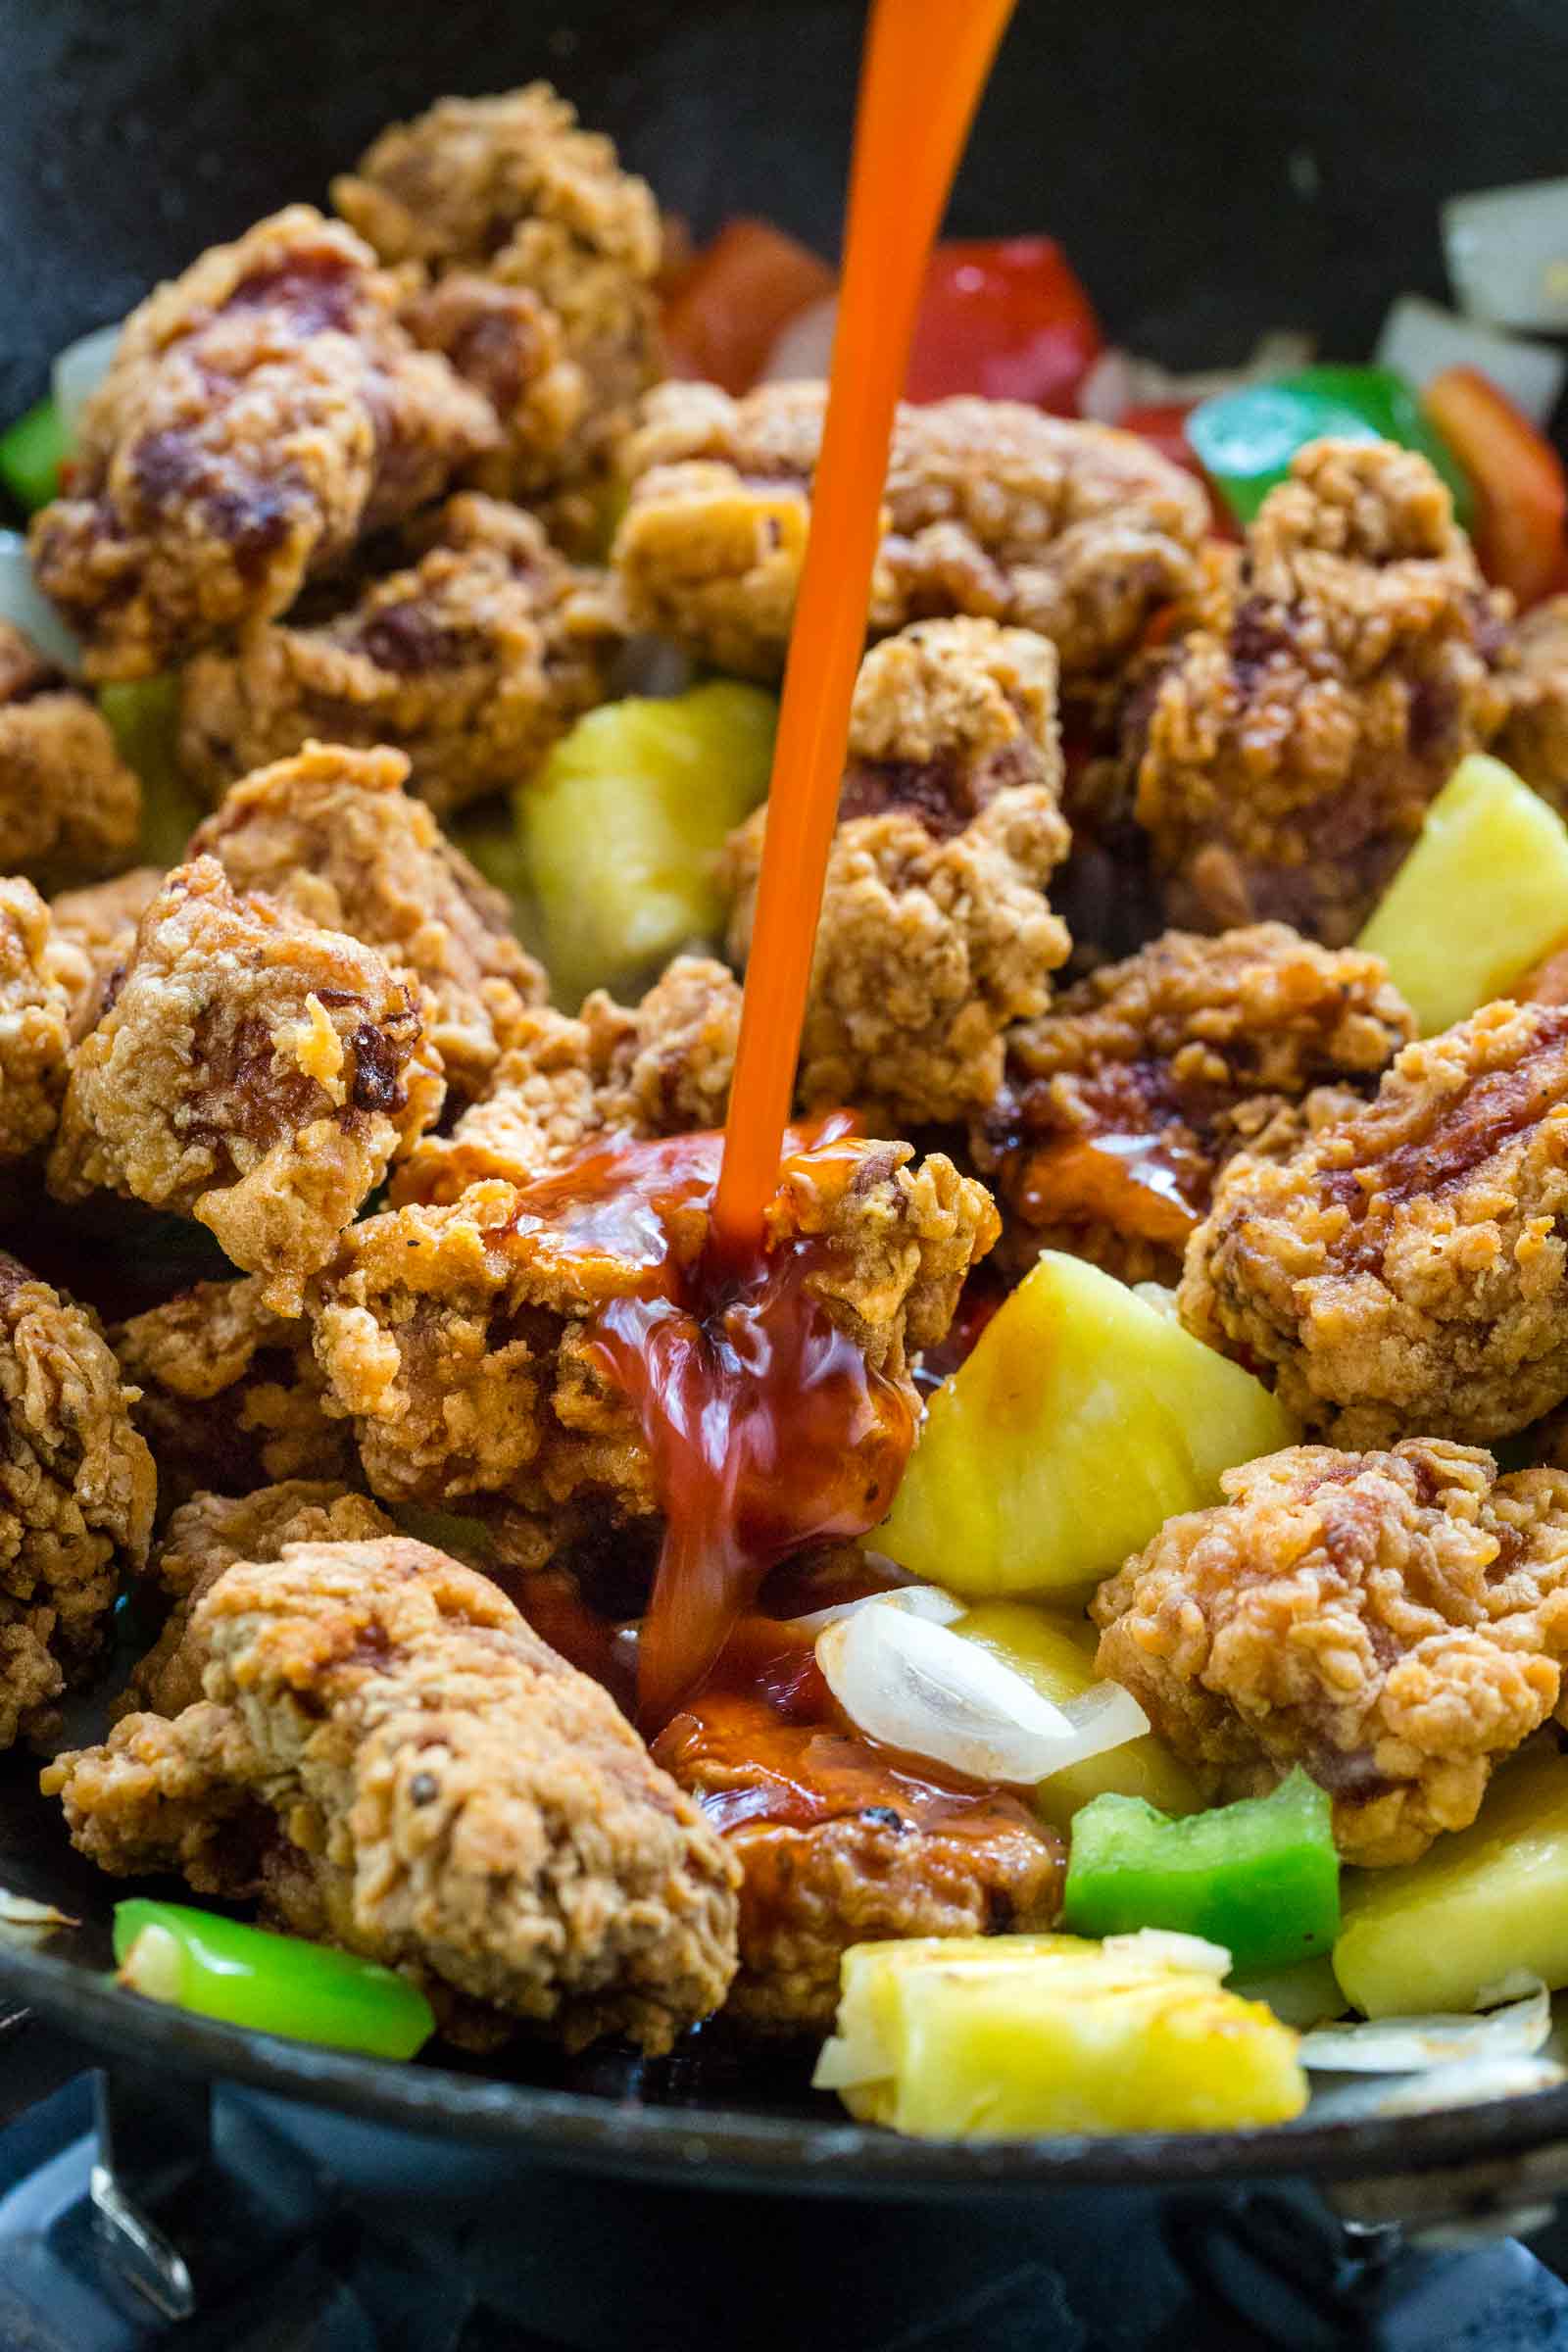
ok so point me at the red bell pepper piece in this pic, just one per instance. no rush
(1521, 490)
(1008, 318)
(727, 308)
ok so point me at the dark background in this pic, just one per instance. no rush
(1212, 170)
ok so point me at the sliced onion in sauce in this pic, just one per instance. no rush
(1414, 2045)
(921, 1600)
(1471, 2084)
(24, 603)
(917, 1685)
(78, 372)
(1169, 1948)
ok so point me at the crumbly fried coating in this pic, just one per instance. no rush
(1283, 754)
(77, 1493)
(68, 805)
(1125, 1099)
(1404, 1270)
(472, 660)
(661, 1067)
(459, 1338)
(253, 1072)
(36, 977)
(1395, 1622)
(263, 412)
(1535, 735)
(231, 1399)
(992, 509)
(511, 346)
(509, 186)
(333, 835)
(935, 933)
(386, 1751)
(95, 933)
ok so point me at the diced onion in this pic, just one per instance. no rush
(1469, 2084)
(1119, 381)
(917, 1685)
(804, 348)
(1420, 340)
(78, 371)
(23, 1920)
(24, 603)
(1413, 2045)
(1507, 252)
(1167, 1947)
(921, 1601)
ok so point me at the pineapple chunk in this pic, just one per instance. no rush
(1431, 1936)
(623, 826)
(1084, 1419)
(1008, 2035)
(1481, 897)
(1058, 1655)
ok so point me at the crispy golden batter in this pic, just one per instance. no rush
(77, 1492)
(511, 187)
(1535, 734)
(68, 805)
(511, 346)
(1123, 1102)
(1283, 756)
(333, 835)
(230, 1394)
(1394, 1622)
(934, 932)
(35, 978)
(993, 509)
(472, 660)
(459, 1338)
(387, 1754)
(253, 1072)
(1404, 1269)
(95, 932)
(262, 413)
(659, 1067)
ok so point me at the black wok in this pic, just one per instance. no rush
(1213, 174)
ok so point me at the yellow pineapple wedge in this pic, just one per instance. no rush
(1083, 1421)
(1000, 2037)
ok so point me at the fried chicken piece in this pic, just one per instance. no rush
(1395, 1622)
(77, 1492)
(935, 932)
(95, 932)
(1283, 754)
(461, 1339)
(659, 1067)
(1123, 1102)
(253, 1072)
(1535, 735)
(263, 412)
(1404, 1269)
(35, 975)
(333, 835)
(68, 805)
(511, 188)
(992, 509)
(387, 1754)
(512, 347)
(472, 660)
(231, 1399)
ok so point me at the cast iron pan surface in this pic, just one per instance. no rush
(1213, 175)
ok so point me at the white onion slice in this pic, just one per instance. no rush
(1118, 380)
(803, 349)
(1167, 1947)
(921, 1601)
(1413, 2045)
(1507, 252)
(650, 666)
(24, 603)
(78, 371)
(1470, 2085)
(1159, 1297)
(917, 1685)
(1420, 340)
(23, 1920)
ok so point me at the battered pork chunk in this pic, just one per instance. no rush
(1404, 1270)
(511, 187)
(68, 805)
(76, 1490)
(1395, 1622)
(253, 1072)
(1282, 758)
(387, 1755)
(262, 413)
(1535, 736)
(230, 1397)
(935, 932)
(34, 1020)
(993, 509)
(1122, 1103)
(659, 1067)
(472, 660)
(95, 932)
(333, 835)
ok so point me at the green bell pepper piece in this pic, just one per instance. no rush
(1246, 439)
(244, 1976)
(30, 450)
(1260, 1877)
